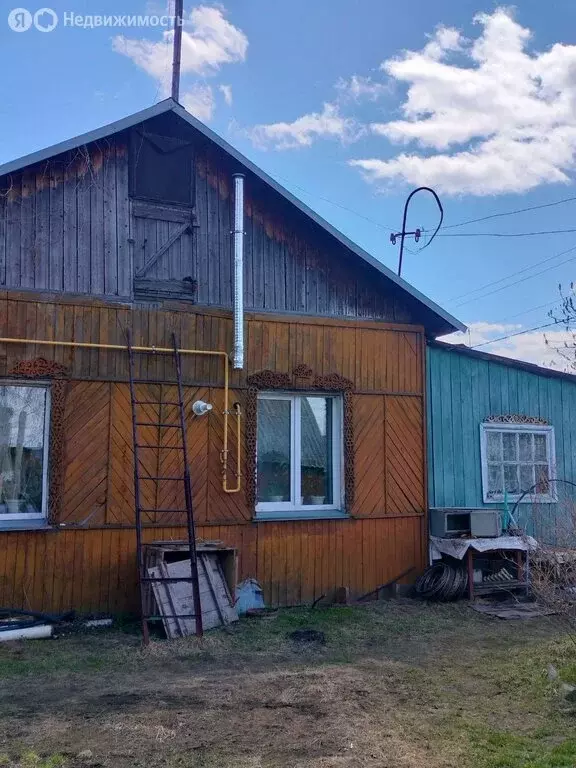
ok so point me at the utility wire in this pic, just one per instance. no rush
(512, 274)
(518, 333)
(508, 234)
(510, 213)
(532, 309)
(379, 224)
(517, 282)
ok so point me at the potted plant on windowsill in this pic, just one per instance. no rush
(9, 493)
(313, 485)
(275, 471)
(275, 494)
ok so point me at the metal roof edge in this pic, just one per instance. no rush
(168, 105)
(511, 362)
(345, 241)
(86, 138)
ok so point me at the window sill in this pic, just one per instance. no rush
(318, 514)
(25, 525)
(526, 499)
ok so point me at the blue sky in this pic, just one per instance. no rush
(351, 104)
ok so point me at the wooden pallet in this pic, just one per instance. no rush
(175, 600)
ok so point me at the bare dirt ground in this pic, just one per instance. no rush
(397, 685)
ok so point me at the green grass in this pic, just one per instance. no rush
(514, 716)
(73, 654)
(31, 759)
(350, 632)
(400, 674)
(502, 749)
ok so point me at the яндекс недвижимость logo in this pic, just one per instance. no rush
(21, 20)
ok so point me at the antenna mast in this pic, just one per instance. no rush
(177, 58)
(417, 234)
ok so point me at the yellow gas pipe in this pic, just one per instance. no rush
(222, 355)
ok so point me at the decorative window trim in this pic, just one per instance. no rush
(516, 418)
(57, 376)
(523, 426)
(301, 380)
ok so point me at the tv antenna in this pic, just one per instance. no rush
(417, 233)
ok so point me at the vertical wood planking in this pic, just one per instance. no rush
(290, 263)
(13, 230)
(97, 269)
(463, 392)
(95, 569)
(55, 254)
(125, 266)
(28, 223)
(110, 224)
(3, 236)
(84, 226)
(70, 229)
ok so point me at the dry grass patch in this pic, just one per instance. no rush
(396, 685)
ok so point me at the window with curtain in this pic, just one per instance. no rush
(24, 428)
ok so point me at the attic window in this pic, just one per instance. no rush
(162, 168)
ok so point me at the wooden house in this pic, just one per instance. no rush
(129, 228)
(499, 425)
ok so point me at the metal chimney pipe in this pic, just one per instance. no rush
(238, 233)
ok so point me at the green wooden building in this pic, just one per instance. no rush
(497, 428)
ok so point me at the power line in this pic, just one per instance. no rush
(379, 224)
(532, 309)
(510, 213)
(517, 282)
(518, 333)
(509, 234)
(512, 274)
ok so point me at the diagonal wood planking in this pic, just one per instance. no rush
(404, 455)
(121, 472)
(369, 456)
(86, 452)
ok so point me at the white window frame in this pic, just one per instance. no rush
(539, 429)
(284, 509)
(42, 515)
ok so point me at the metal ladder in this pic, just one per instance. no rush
(141, 475)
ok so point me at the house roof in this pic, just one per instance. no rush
(539, 370)
(445, 322)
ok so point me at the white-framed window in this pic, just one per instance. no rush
(299, 453)
(24, 438)
(515, 459)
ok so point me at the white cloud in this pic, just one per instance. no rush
(209, 41)
(226, 91)
(544, 348)
(479, 332)
(328, 124)
(488, 115)
(359, 87)
(199, 101)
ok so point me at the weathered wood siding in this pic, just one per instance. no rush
(83, 563)
(64, 224)
(70, 225)
(296, 562)
(462, 392)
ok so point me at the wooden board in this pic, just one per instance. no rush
(175, 600)
(94, 570)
